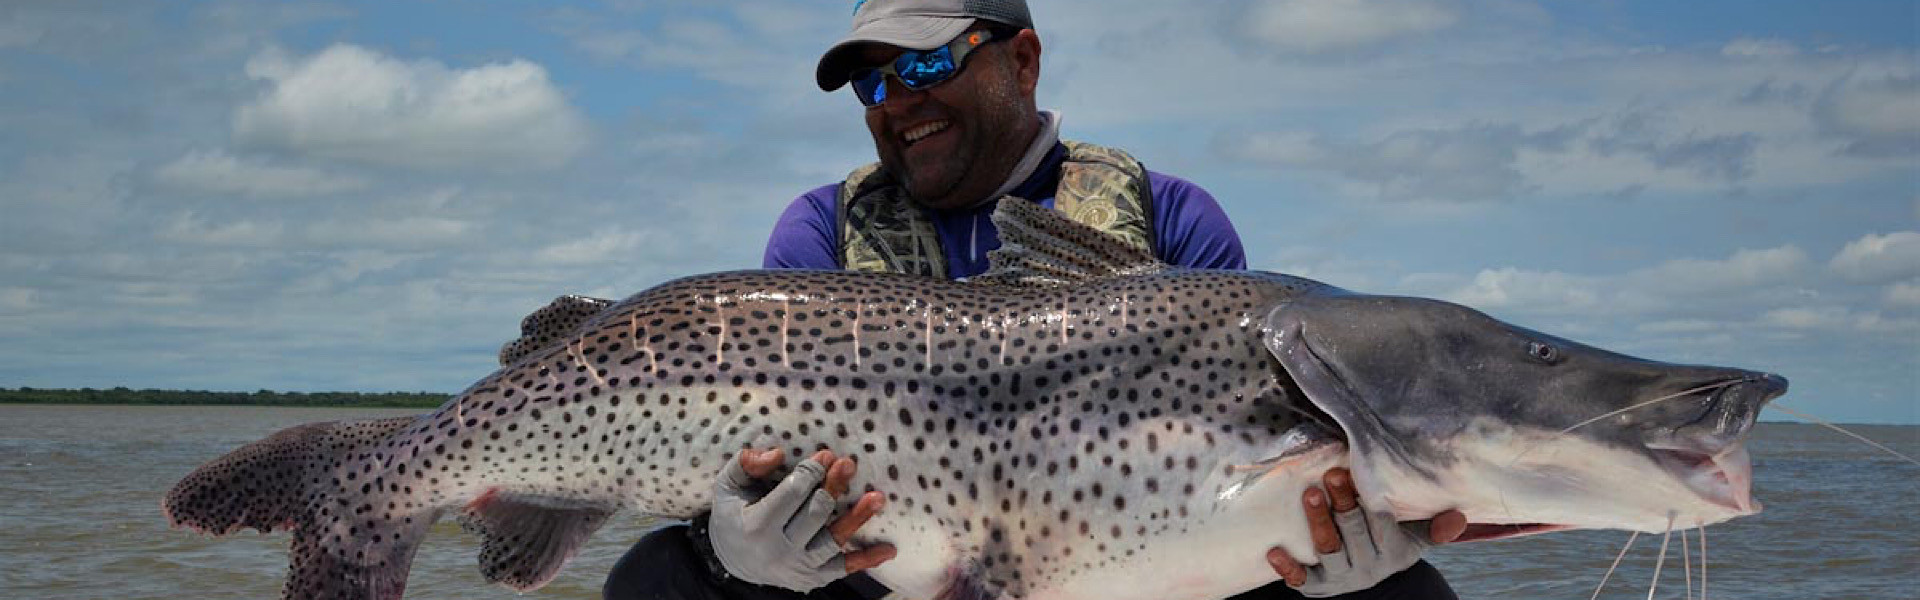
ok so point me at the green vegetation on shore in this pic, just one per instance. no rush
(122, 395)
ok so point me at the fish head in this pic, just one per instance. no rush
(1444, 407)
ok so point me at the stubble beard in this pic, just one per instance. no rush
(990, 133)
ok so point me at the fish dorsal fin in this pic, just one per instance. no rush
(1040, 247)
(552, 323)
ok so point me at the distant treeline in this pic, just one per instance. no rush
(122, 395)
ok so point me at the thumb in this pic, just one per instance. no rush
(1442, 528)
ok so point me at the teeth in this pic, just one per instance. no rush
(914, 135)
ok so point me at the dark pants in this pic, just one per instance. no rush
(665, 566)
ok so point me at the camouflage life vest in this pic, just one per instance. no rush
(882, 231)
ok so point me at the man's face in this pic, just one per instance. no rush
(953, 144)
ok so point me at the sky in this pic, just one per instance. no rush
(307, 196)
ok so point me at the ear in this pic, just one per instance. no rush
(1026, 60)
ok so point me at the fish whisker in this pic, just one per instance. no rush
(1703, 562)
(1856, 436)
(1662, 561)
(1686, 563)
(1615, 565)
(1680, 394)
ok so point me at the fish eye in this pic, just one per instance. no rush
(1543, 352)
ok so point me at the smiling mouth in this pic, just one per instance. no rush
(916, 134)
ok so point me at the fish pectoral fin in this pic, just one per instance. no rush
(525, 541)
(323, 564)
(970, 582)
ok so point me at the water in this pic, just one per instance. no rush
(80, 489)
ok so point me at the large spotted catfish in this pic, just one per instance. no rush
(1081, 422)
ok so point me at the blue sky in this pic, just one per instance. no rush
(367, 196)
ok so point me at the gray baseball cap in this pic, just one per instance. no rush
(913, 25)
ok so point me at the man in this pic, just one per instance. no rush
(949, 89)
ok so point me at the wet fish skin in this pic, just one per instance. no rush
(1083, 424)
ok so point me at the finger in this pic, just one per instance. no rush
(1447, 527)
(1284, 565)
(821, 549)
(869, 557)
(1353, 535)
(1340, 488)
(812, 518)
(761, 463)
(738, 474)
(1326, 537)
(778, 506)
(839, 477)
(868, 506)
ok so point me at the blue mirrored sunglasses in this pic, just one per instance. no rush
(918, 70)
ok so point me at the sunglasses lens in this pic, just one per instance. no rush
(917, 70)
(870, 86)
(922, 69)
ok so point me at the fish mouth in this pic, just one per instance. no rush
(1723, 479)
(1710, 455)
(1480, 532)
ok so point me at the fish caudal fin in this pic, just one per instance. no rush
(526, 541)
(265, 485)
(347, 542)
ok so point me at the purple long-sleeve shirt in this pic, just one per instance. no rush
(1189, 228)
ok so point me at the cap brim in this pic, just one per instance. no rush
(912, 33)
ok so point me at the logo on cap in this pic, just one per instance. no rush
(857, 4)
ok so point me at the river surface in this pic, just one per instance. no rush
(80, 491)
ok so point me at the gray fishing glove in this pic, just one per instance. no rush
(782, 539)
(1372, 549)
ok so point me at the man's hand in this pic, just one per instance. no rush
(1357, 551)
(784, 539)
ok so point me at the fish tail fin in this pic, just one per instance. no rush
(525, 540)
(349, 541)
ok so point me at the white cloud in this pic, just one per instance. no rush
(1746, 269)
(1547, 291)
(1669, 287)
(1877, 109)
(14, 300)
(16, 32)
(190, 228)
(400, 233)
(221, 173)
(1471, 162)
(1838, 318)
(1681, 326)
(1905, 294)
(600, 248)
(1876, 258)
(1758, 48)
(1325, 25)
(1651, 136)
(352, 103)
